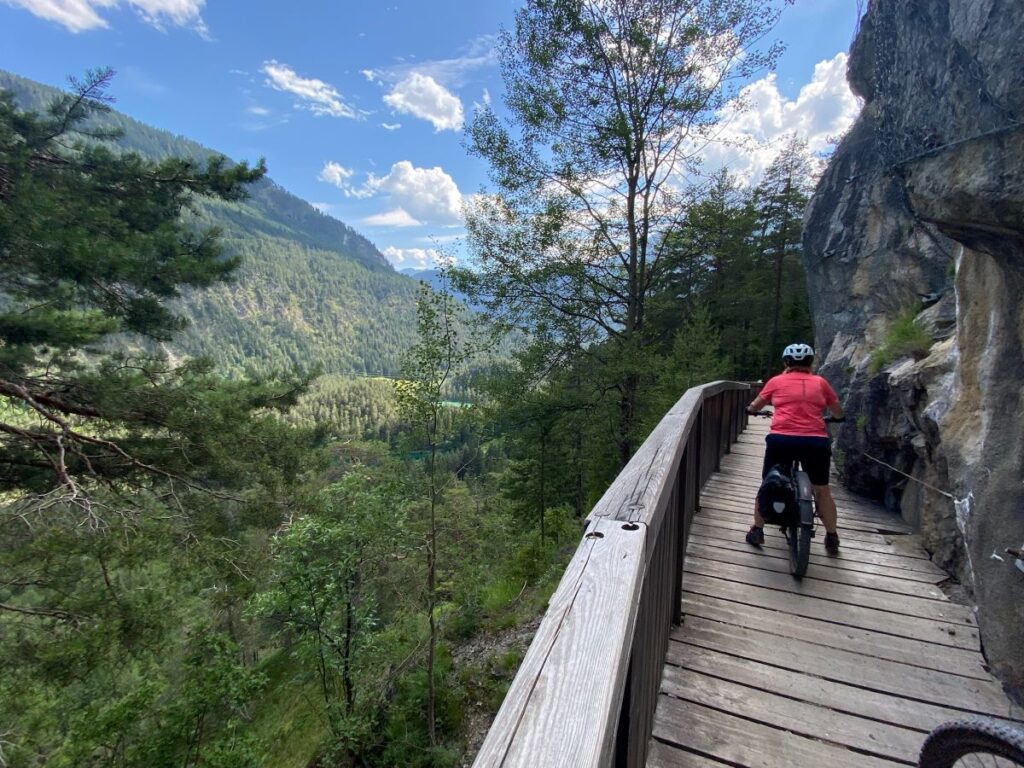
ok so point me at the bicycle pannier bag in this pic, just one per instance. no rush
(776, 498)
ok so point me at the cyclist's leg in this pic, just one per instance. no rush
(815, 459)
(826, 506)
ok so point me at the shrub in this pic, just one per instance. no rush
(905, 338)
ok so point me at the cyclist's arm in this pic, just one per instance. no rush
(757, 404)
(835, 410)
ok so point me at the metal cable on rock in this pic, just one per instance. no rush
(947, 494)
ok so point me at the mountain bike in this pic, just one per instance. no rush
(791, 507)
(975, 742)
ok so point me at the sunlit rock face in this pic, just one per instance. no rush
(922, 211)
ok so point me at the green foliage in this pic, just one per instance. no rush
(94, 243)
(571, 245)
(408, 740)
(904, 338)
(324, 595)
(308, 291)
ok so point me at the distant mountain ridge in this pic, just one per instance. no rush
(311, 292)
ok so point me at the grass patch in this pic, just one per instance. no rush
(905, 338)
(288, 723)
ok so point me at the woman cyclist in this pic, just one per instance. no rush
(798, 434)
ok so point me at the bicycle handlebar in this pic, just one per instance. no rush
(828, 419)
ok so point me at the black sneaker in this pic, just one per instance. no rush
(832, 543)
(755, 536)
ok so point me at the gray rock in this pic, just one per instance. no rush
(923, 204)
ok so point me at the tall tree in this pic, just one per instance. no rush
(608, 102)
(780, 200)
(94, 243)
(430, 369)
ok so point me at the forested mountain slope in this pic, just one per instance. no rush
(311, 291)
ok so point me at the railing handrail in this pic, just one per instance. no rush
(584, 690)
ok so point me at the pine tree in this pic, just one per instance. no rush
(94, 245)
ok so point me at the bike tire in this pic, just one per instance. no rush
(964, 738)
(799, 536)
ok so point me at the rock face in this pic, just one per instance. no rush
(921, 214)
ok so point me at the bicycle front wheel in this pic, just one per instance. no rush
(967, 743)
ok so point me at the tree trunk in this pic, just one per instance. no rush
(780, 255)
(346, 663)
(543, 475)
(432, 589)
(627, 416)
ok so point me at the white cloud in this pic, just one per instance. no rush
(324, 208)
(390, 126)
(413, 258)
(749, 138)
(371, 75)
(257, 110)
(395, 218)
(428, 194)
(315, 95)
(341, 177)
(420, 195)
(335, 174)
(80, 15)
(422, 96)
(478, 54)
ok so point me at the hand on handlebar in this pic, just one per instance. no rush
(835, 419)
(759, 413)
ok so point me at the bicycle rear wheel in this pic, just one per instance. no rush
(799, 549)
(799, 536)
(973, 743)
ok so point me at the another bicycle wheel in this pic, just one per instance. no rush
(973, 743)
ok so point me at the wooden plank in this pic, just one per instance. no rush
(745, 486)
(846, 519)
(713, 538)
(734, 496)
(582, 645)
(811, 720)
(917, 653)
(847, 549)
(755, 558)
(661, 755)
(958, 616)
(847, 522)
(780, 675)
(913, 627)
(729, 528)
(842, 666)
(854, 530)
(742, 742)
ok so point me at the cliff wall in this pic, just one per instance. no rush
(914, 248)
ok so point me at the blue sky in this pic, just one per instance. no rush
(357, 106)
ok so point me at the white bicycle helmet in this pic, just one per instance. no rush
(798, 352)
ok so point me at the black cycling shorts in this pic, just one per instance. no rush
(813, 453)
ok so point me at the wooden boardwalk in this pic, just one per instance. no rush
(850, 667)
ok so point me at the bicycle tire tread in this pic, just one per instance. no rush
(952, 741)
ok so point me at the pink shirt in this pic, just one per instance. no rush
(799, 399)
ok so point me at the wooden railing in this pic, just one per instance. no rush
(586, 690)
